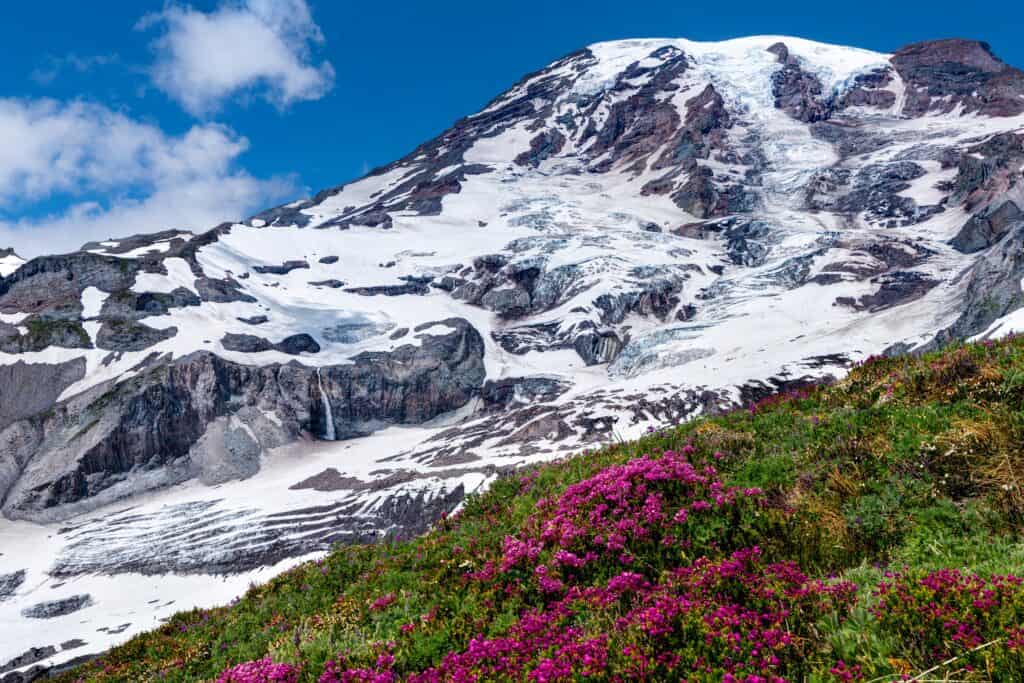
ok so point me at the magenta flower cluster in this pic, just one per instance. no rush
(624, 511)
(624, 582)
(948, 613)
(260, 671)
(730, 620)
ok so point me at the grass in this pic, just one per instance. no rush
(908, 466)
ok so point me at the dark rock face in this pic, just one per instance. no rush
(406, 386)
(413, 285)
(693, 187)
(873, 191)
(10, 583)
(869, 90)
(245, 343)
(30, 388)
(175, 240)
(43, 332)
(155, 428)
(987, 227)
(896, 289)
(746, 239)
(248, 343)
(129, 304)
(848, 140)
(517, 289)
(543, 146)
(797, 92)
(328, 260)
(331, 284)
(283, 269)
(53, 284)
(297, 344)
(128, 335)
(254, 320)
(31, 656)
(987, 170)
(943, 74)
(596, 348)
(637, 126)
(58, 608)
(992, 287)
(222, 291)
(499, 394)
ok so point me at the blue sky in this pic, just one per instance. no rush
(124, 117)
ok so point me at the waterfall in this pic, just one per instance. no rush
(329, 433)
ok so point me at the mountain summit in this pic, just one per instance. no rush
(643, 231)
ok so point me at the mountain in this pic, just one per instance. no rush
(641, 232)
(867, 531)
(9, 262)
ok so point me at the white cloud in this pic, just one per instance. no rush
(247, 47)
(45, 75)
(122, 176)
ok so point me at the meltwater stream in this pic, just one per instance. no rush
(329, 433)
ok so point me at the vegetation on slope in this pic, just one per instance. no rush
(870, 530)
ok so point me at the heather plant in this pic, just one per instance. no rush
(653, 511)
(260, 671)
(956, 622)
(733, 619)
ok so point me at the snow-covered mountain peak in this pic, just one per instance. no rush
(9, 262)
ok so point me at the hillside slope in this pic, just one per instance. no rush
(867, 530)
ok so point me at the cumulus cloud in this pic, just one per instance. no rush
(114, 175)
(249, 47)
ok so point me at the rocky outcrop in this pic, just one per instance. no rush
(797, 92)
(30, 656)
(543, 146)
(987, 171)
(283, 269)
(499, 395)
(148, 431)
(895, 289)
(222, 291)
(41, 332)
(58, 608)
(986, 228)
(875, 191)
(9, 583)
(128, 335)
(247, 343)
(30, 388)
(53, 285)
(991, 288)
(136, 305)
(872, 90)
(941, 75)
